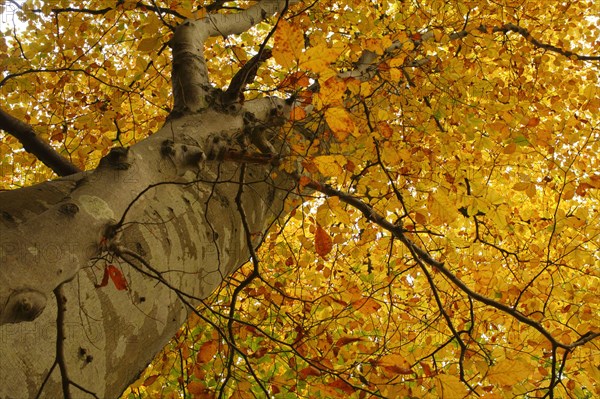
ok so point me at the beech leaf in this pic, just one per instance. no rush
(323, 242)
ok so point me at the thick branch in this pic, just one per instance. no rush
(192, 91)
(34, 145)
(235, 24)
(244, 77)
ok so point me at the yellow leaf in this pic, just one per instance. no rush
(340, 122)
(393, 363)
(531, 191)
(330, 165)
(323, 214)
(509, 372)
(569, 192)
(341, 215)
(374, 45)
(332, 91)
(148, 44)
(318, 58)
(390, 154)
(397, 61)
(590, 90)
(395, 74)
(449, 387)
(289, 44)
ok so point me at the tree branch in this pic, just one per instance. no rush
(244, 77)
(102, 11)
(235, 24)
(34, 145)
(506, 28)
(192, 91)
(400, 233)
(365, 67)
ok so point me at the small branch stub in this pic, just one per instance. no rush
(23, 305)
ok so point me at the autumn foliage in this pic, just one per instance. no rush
(445, 239)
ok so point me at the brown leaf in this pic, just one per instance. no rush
(346, 340)
(308, 371)
(150, 380)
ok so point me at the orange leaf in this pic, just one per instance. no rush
(366, 305)
(582, 188)
(426, 369)
(532, 122)
(350, 166)
(207, 352)
(296, 80)
(297, 114)
(385, 129)
(304, 181)
(323, 242)
(395, 364)
(117, 277)
(510, 149)
(332, 91)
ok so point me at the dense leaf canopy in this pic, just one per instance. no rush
(450, 245)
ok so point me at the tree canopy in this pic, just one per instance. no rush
(443, 239)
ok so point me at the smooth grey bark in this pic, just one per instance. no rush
(163, 212)
(185, 226)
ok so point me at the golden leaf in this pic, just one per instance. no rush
(289, 44)
(449, 387)
(509, 372)
(149, 44)
(340, 122)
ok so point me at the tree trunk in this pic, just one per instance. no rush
(169, 221)
(99, 270)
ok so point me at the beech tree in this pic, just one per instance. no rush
(284, 199)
